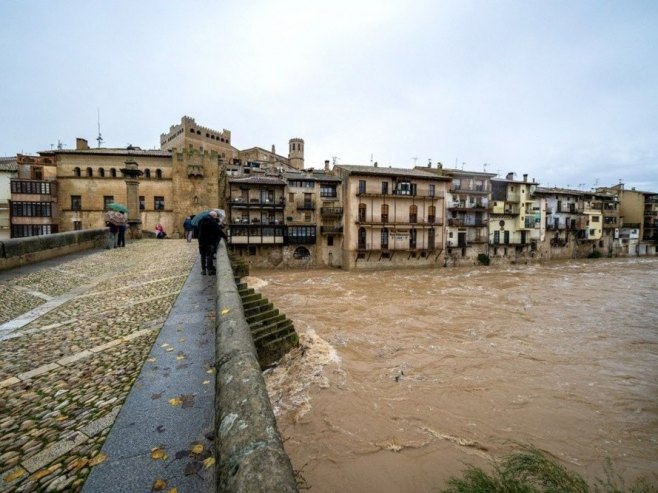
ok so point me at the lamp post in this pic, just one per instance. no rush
(131, 174)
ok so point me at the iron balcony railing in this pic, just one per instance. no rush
(331, 211)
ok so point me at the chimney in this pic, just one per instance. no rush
(81, 144)
(273, 149)
(375, 164)
(510, 175)
(326, 165)
(525, 177)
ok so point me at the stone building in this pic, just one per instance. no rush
(8, 170)
(639, 217)
(467, 214)
(33, 209)
(89, 179)
(393, 216)
(578, 222)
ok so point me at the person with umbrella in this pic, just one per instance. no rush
(115, 221)
(209, 235)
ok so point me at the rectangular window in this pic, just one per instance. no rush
(76, 202)
(107, 200)
(291, 198)
(30, 187)
(142, 203)
(330, 241)
(595, 219)
(31, 209)
(158, 203)
(432, 190)
(362, 186)
(384, 188)
(328, 191)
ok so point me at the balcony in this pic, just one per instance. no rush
(242, 203)
(467, 206)
(256, 234)
(384, 222)
(331, 230)
(305, 205)
(331, 211)
(395, 195)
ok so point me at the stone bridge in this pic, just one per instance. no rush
(126, 370)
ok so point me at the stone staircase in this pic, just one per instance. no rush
(273, 333)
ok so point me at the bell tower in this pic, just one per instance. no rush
(296, 153)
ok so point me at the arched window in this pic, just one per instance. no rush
(147, 173)
(384, 213)
(76, 171)
(113, 172)
(158, 174)
(90, 172)
(101, 172)
(362, 213)
(431, 214)
(362, 239)
(413, 213)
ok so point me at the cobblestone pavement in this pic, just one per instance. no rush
(73, 338)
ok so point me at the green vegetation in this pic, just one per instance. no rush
(484, 259)
(531, 471)
(595, 254)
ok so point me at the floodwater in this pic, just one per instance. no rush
(405, 377)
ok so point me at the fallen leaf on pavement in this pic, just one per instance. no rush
(209, 462)
(159, 485)
(99, 459)
(158, 453)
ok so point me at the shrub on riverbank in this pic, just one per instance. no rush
(530, 471)
(484, 259)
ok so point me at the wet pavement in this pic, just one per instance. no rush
(90, 341)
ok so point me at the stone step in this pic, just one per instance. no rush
(275, 326)
(263, 315)
(251, 297)
(260, 324)
(246, 291)
(256, 309)
(252, 304)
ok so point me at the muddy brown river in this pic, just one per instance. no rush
(404, 377)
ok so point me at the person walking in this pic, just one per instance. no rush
(209, 234)
(189, 228)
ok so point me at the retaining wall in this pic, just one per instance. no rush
(17, 252)
(251, 457)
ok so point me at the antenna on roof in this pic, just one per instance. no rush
(415, 158)
(334, 159)
(484, 167)
(100, 137)
(59, 145)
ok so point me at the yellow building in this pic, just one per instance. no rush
(516, 218)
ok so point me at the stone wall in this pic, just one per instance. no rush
(251, 457)
(22, 251)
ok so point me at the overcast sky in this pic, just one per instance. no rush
(566, 91)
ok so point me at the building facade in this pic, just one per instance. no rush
(516, 219)
(392, 216)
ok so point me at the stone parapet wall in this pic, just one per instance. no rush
(17, 252)
(251, 457)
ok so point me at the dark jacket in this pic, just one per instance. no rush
(210, 231)
(187, 225)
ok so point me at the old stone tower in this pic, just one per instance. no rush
(296, 153)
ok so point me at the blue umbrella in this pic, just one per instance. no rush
(202, 214)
